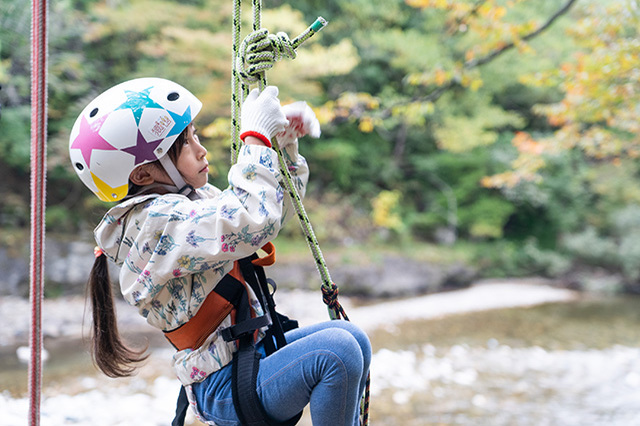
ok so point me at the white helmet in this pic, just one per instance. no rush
(133, 123)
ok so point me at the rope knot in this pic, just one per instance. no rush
(330, 296)
(259, 52)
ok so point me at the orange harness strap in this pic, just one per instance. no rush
(215, 307)
(267, 260)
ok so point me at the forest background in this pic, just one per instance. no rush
(499, 133)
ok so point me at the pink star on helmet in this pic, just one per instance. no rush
(143, 150)
(89, 138)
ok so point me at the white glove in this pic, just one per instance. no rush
(262, 115)
(302, 121)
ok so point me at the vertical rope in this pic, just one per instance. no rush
(287, 48)
(236, 99)
(257, 14)
(38, 196)
(257, 24)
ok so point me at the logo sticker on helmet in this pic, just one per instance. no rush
(160, 126)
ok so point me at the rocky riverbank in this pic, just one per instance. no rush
(68, 262)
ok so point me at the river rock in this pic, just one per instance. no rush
(14, 274)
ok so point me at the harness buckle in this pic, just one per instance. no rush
(245, 327)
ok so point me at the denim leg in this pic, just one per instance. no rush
(325, 365)
(360, 336)
(214, 398)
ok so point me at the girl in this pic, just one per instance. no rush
(177, 238)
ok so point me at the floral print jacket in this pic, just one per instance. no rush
(173, 251)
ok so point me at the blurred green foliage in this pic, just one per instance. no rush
(400, 108)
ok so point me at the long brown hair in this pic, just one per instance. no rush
(110, 354)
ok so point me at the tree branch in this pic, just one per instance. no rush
(438, 92)
(462, 20)
(493, 55)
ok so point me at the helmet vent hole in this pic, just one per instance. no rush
(173, 96)
(79, 166)
(94, 112)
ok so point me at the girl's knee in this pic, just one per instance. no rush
(346, 349)
(360, 336)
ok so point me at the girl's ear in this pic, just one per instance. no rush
(140, 176)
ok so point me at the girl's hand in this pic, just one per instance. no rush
(302, 121)
(262, 116)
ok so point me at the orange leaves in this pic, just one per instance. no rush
(526, 144)
(525, 167)
(469, 55)
(436, 4)
(602, 84)
(440, 77)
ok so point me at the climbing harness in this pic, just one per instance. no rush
(230, 296)
(251, 58)
(38, 197)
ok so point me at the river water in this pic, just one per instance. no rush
(575, 363)
(558, 364)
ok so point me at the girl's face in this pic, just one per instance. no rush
(192, 161)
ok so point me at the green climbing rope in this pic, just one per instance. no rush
(251, 59)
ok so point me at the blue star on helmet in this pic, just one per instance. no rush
(182, 121)
(137, 101)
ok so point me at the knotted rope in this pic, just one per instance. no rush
(257, 53)
(330, 298)
(38, 196)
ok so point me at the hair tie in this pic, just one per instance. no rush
(97, 252)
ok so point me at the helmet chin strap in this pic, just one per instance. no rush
(182, 187)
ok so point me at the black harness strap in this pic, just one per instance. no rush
(257, 279)
(181, 408)
(246, 363)
(247, 360)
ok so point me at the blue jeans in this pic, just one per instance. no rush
(324, 365)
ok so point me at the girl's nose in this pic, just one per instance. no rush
(201, 151)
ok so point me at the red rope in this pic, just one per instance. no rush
(38, 197)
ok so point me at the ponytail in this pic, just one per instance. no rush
(108, 351)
